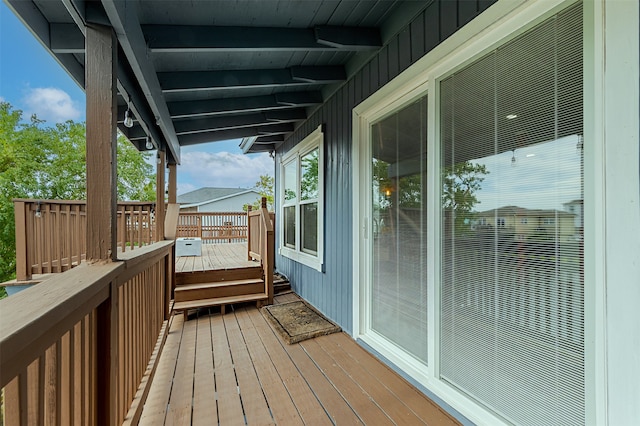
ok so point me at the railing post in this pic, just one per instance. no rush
(169, 284)
(160, 197)
(106, 386)
(23, 269)
(249, 232)
(173, 183)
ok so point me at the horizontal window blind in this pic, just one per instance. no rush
(512, 283)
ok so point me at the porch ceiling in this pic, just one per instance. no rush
(206, 71)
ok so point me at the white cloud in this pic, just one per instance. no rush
(1, 99)
(51, 104)
(223, 169)
(544, 176)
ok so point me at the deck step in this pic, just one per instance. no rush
(217, 275)
(205, 303)
(280, 284)
(210, 290)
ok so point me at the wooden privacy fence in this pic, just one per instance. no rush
(214, 227)
(82, 349)
(51, 234)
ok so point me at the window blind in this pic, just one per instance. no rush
(512, 282)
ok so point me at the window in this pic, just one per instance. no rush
(503, 143)
(511, 126)
(301, 201)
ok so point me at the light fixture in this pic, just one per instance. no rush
(128, 118)
(511, 116)
(513, 158)
(149, 144)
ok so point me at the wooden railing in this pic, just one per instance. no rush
(261, 243)
(213, 227)
(51, 234)
(82, 349)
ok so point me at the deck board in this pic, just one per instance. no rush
(235, 370)
(216, 256)
(204, 388)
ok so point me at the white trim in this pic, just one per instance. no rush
(315, 140)
(501, 22)
(614, 214)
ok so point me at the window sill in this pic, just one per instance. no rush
(303, 258)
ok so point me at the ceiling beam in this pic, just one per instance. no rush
(196, 38)
(236, 79)
(255, 149)
(66, 38)
(238, 121)
(245, 132)
(244, 104)
(349, 38)
(124, 18)
(269, 139)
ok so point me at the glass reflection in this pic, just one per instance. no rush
(398, 304)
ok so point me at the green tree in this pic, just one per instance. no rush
(49, 162)
(460, 183)
(265, 186)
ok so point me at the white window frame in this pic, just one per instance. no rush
(500, 23)
(315, 140)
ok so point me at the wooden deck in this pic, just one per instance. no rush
(233, 370)
(214, 257)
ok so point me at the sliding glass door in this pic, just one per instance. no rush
(398, 290)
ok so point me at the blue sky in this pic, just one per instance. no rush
(32, 81)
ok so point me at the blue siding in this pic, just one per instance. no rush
(330, 291)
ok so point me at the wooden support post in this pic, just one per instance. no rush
(173, 183)
(100, 85)
(160, 197)
(23, 268)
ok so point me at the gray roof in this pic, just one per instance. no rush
(209, 194)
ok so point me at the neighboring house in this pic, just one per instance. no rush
(576, 208)
(217, 199)
(527, 224)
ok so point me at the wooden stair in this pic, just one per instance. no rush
(202, 289)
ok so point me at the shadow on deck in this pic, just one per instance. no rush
(233, 369)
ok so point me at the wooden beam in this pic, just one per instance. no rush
(238, 121)
(101, 65)
(245, 132)
(160, 196)
(244, 104)
(123, 16)
(66, 38)
(200, 38)
(176, 81)
(173, 183)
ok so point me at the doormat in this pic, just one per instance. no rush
(298, 321)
